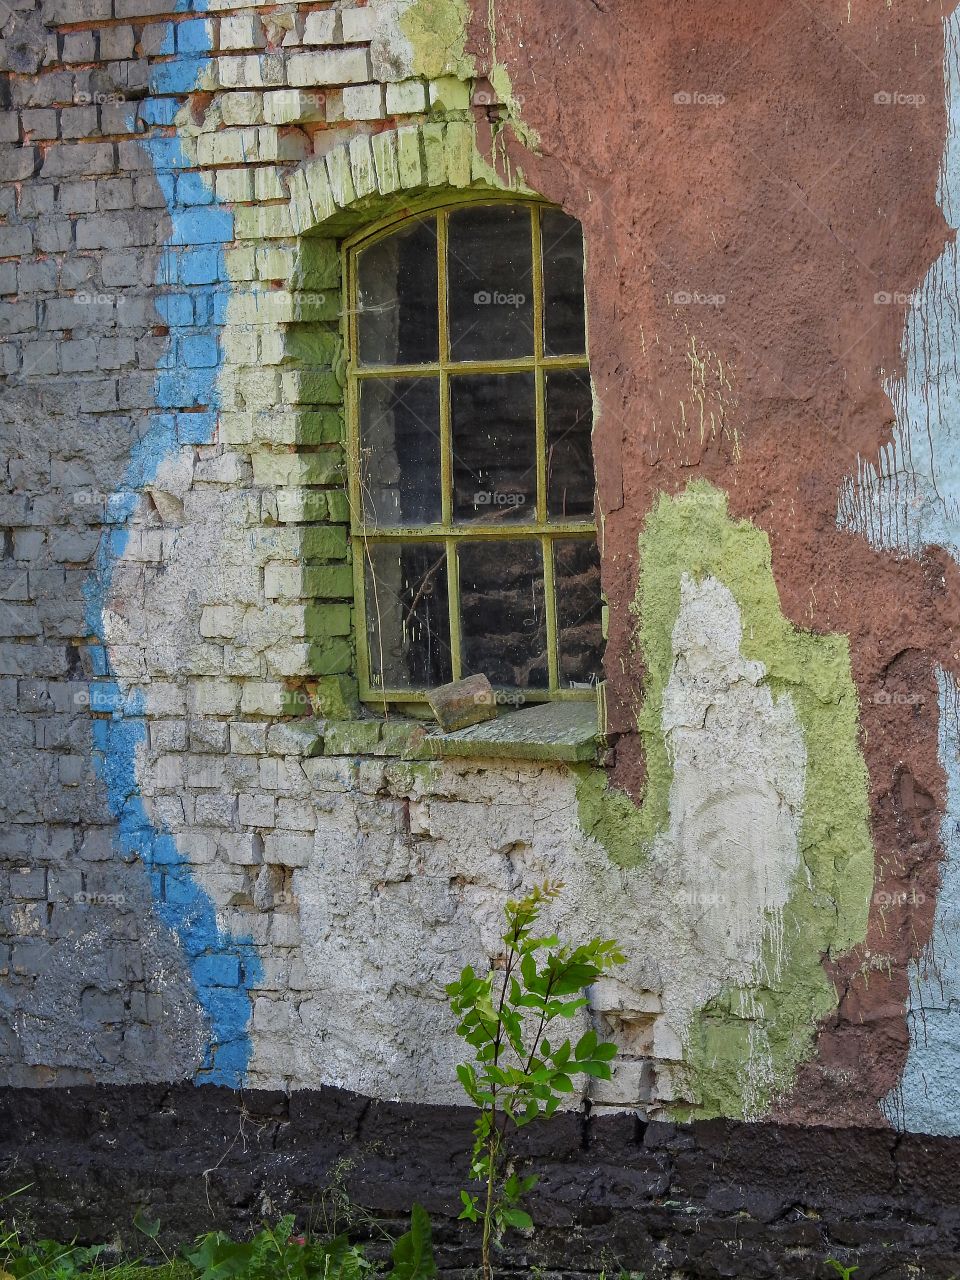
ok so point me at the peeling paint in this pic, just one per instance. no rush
(223, 967)
(927, 1098)
(745, 1042)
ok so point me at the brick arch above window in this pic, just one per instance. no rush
(372, 175)
(369, 182)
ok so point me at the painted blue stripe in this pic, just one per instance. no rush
(927, 1098)
(224, 968)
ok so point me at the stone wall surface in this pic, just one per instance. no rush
(215, 865)
(699, 1202)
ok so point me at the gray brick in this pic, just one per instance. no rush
(79, 46)
(43, 90)
(9, 126)
(288, 849)
(140, 8)
(132, 74)
(115, 117)
(40, 123)
(36, 198)
(146, 192)
(57, 11)
(18, 163)
(98, 396)
(116, 42)
(105, 233)
(154, 37)
(39, 358)
(38, 277)
(71, 159)
(17, 317)
(78, 356)
(54, 237)
(77, 197)
(78, 122)
(116, 353)
(115, 193)
(15, 241)
(20, 620)
(75, 547)
(8, 277)
(28, 883)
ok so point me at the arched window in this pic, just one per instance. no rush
(472, 486)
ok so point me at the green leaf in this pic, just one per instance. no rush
(470, 1212)
(413, 1253)
(586, 1045)
(517, 1218)
(562, 1083)
(150, 1227)
(561, 1056)
(599, 1070)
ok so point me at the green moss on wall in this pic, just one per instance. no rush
(744, 1046)
(437, 32)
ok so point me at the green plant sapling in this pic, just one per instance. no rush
(519, 1073)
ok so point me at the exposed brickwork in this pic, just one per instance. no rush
(148, 262)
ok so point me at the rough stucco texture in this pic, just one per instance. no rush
(215, 868)
(761, 204)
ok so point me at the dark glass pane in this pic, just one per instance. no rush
(490, 284)
(400, 451)
(408, 618)
(569, 450)
(494, 447)
(398, 317)
(576, 570)
(563, 322)
(504, 634)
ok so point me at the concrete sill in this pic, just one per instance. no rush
(565, 731)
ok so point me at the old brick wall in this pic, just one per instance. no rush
(218, 867)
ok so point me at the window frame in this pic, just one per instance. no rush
(546, 532)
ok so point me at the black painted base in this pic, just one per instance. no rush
(715, 1199)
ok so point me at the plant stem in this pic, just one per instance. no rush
(488, 1211)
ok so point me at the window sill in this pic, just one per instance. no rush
(563, 731)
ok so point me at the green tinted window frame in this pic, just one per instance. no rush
(450, 533)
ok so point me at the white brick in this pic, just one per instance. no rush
(358, 25)
(267, 185)
(250, 71)
(288, 849)
(363, 102)
(331, 67)
(321, 28)
(242, 108)
(406, 98)
(241, 31)
(242, 847)
(234, 184)
(289, 106)
(257, 809)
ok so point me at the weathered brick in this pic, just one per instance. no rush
(328, 67)
(288, 849)
(321, 27)
(363, 102)
(15, 241)
(73, 158)
(406, 97)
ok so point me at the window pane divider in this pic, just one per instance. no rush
(462, 533)
(521, 364)
(448, 531)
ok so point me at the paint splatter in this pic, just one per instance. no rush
(191, 276)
